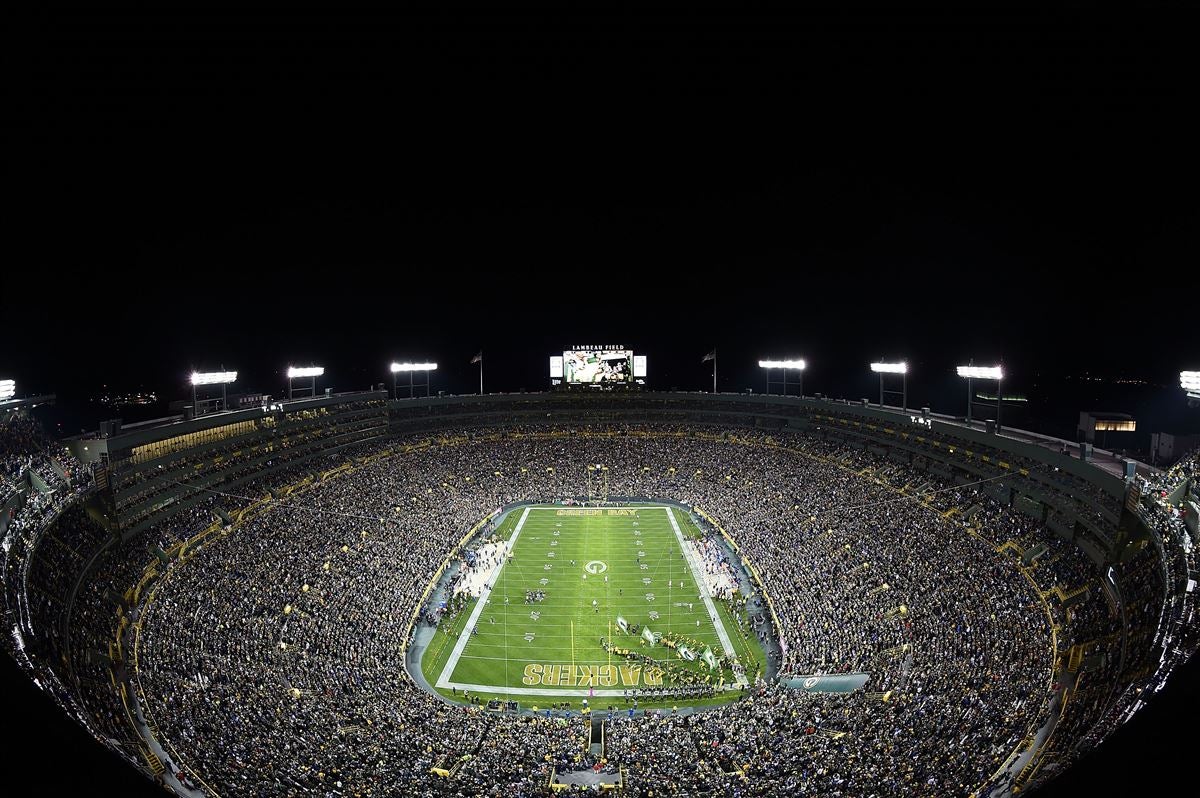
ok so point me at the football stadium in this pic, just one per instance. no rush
(595, 587)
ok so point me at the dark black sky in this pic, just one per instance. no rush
(251, 191)
(189, 191)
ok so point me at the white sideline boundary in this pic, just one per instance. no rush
(705, 593)
(444, 680)
(464, 637)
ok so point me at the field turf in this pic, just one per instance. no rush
(594, 565)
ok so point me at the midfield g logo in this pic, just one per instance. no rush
(595, 567)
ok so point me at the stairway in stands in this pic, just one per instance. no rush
(155, 764)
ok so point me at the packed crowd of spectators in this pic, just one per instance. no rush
(1187, 467)
(1132, 649)
(272, 660)
(45, 545)
(839, 556)
(25, 450)
(25, 447)
(22, 440)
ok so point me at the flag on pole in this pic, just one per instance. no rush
(478, 357)
(687, 653)
(710, 356)
(649, 636)
(623, 624)
(709, 659)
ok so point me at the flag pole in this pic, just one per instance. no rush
(481, 372)
(714, 369)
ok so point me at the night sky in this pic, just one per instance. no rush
(251, 192)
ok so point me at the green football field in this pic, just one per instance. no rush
(595, 565)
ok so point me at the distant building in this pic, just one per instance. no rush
(1166, 448)
(1114, 428)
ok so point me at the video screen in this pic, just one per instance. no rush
(590, 367)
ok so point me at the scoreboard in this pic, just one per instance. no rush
(597, 365)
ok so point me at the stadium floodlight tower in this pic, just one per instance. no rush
(412, 368)
(1188, 380)
(973, 372)
(893, 368)
(209, 378)
(301, 373)
(783, 366)
(8, 389)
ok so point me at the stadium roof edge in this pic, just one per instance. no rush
(154, 429)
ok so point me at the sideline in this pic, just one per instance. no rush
(451, 663)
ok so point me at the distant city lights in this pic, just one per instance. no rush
(127, 399)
